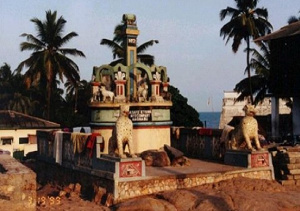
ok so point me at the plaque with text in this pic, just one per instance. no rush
(140, 115)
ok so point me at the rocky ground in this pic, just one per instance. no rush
(238, 194)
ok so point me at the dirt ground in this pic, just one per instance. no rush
(238, 194)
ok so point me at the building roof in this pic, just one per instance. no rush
(286, 31)
(15, 120)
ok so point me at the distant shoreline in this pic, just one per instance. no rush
(210, 119)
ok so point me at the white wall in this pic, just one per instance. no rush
(18, 133)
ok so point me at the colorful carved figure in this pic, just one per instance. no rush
(143, 92)
(124, 129)
(247, 131)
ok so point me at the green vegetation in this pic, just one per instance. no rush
(49, 59)
(246, 22)
(13, 94)
(293, 19)
(182, 114)
(260, 63)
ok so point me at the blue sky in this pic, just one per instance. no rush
(198, 62)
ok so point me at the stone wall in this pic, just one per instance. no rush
(130, 189)
(201, 143)
(17, 185)
(287, 165)
(64, 175)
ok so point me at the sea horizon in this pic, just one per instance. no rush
(210, 119)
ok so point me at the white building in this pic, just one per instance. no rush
(232, 108)
(18, 131)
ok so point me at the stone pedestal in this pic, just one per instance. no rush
(120, 167)
(248, 159)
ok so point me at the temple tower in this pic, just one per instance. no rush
(131, 32)
(144, 88)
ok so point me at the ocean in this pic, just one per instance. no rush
(210, 119)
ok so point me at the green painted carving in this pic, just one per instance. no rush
(161, 70)
(145, 68)
(98, 71)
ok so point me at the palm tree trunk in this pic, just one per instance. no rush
(48, 100)
(49, 88)
(248, 70)
(76, 98)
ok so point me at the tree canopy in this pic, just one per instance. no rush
(49, 59)
(246, 22)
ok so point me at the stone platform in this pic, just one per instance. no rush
(156, 179)
(198, 173)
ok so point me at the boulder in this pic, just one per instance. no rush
(181, 199)
(173, 152)
(146, 203)
(181, 161)
(156, 158)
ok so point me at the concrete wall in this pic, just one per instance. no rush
(144, 138)
(231, 108)
(16, 146)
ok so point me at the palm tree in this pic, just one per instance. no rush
(6, 88)
(49, 59)
(246, 22)
(293, 19)
(260, 62)
(19, 103)
(118, 48)
(72, 91)
(76, 111)
(13, 96)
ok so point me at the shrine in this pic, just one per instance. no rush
(144, 88)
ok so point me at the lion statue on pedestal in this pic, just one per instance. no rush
(123, 134)
(242, 136)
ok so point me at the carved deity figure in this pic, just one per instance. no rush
(143, 92)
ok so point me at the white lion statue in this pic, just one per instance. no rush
(241, 137)
(106, 94)
(124, 129)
